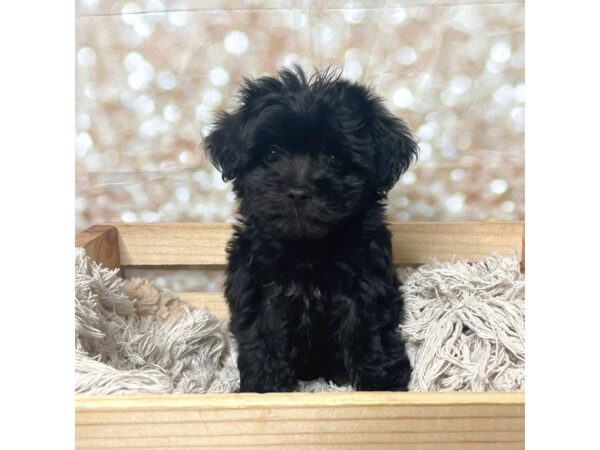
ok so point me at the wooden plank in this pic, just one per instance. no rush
(413, 242)
(174, 244)
(294, 399)
(213, 301)
(295, 420)
(416, 242)
(354, 412)
(346, 446)
(325, 439)
(322, 425)
(101, 244)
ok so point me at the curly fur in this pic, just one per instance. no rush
(310, 281)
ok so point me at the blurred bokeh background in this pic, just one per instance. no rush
(150, 75)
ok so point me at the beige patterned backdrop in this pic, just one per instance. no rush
(150, 75)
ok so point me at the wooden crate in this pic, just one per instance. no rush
(357, 420)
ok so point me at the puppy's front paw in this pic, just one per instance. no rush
(262, 385)
(260, 372)
(384, 383)
(387, 376)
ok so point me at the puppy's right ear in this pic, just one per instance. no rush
(223, 145)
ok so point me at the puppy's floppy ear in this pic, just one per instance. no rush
(395, 146)
(223, 144)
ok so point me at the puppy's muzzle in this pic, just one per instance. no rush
(298, 194)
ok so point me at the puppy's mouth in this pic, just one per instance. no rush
(302, 229)
(302, 220)
(299, 211)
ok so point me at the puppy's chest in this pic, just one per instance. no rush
(313, 278)
(305, 306)
(308, 287)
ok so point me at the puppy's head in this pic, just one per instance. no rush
(306, 154)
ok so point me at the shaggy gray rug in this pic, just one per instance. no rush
(464, 324)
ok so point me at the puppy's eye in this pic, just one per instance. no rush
(271, 156)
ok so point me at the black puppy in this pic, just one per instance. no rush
(310, 282)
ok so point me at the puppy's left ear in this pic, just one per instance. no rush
(395, 146)
(223, 145)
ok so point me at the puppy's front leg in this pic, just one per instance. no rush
(263, 340)
(374, 353)
(263, 365)
(380, 364)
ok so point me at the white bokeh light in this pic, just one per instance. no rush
(424, 151)
(498, 186)
(460, 84)
(409, 177)
(398, 16)
(406, 56)
(183, 194)
(91, 4)
(154, 6)
(129, 217)
(353, 70)
(325, 38)
(203, 113)
(218, 76)
(507, 206)
(211, 97)
(402, 97)
(143, 105)
(520, 93)
(458, 174)
(141, 73)
(178, 18)
(86, 57)
(172, 113)
(455, 202)
(166, 80)
(402, 201)
(83, 143)
(140, 79)
(150, 216)
(236, 42)
(83, 121)
(296, 19)
(518, 116)
(505, 94)
(151, 128)
(289, 59)
(353, 15)
(500, 52)
(129, 13)
(427, 131)
(132, 60)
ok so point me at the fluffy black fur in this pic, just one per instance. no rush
(310, 282)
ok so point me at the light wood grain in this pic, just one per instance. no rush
(353, 442)
(101, 244)
(413, 242)
(390, 410)
(292, 425)
(331, 420)
(174, 244)
(295, 399)
(312, 439)
(417, 242)
(213, 301)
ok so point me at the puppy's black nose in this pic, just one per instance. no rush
(298, 194)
